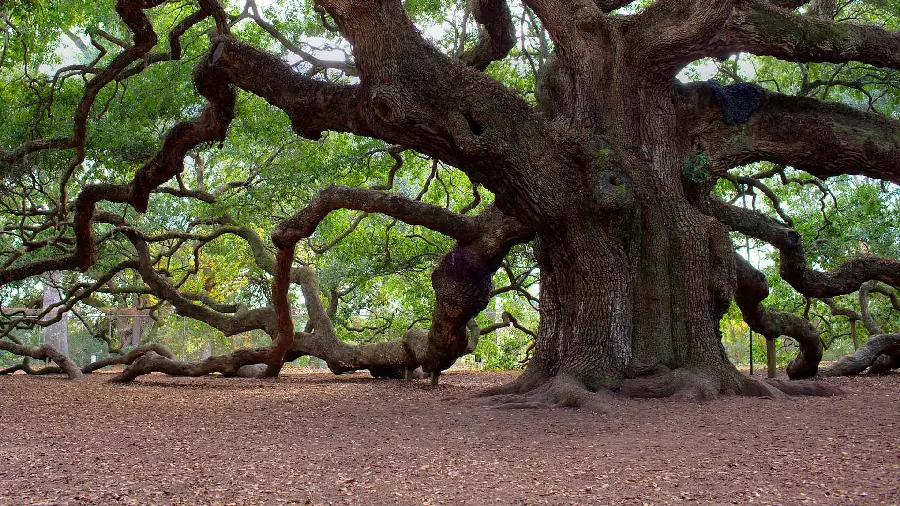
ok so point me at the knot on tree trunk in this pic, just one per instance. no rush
(612, 191)
(388, 104)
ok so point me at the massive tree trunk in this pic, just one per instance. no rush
(586, 307)
(635, 281)
(613, 310)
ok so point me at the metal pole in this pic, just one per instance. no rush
(747, 246)
(770, 343)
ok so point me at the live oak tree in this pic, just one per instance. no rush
(609, 170)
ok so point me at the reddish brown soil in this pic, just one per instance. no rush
(319, 439)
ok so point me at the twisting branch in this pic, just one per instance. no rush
(892, 294)
(340, 237)
(132, 13)
(242, 319)
(772, 31)
(774, 200)
(461, 280)
(313, 106)
(394, 152)
(409, 211)
(865, 317)
(752, 288)
(506, 320)
(26, 148)
(496, 36)
(44, 352)
(211, 125)
(876, 346)
(846, 278)
(252, 11)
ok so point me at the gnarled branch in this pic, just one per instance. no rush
(846, 278)
(767, 30)
(496, 36)
(752, 288)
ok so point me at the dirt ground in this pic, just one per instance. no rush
(314, 438)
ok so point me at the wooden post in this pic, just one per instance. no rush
(770, 356)
(751, 353)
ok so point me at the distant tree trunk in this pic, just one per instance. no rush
(55, 334)
(123, 327)
(206, 351)
(137, 323)
(853, 335)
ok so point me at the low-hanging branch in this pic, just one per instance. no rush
(382, 359)
(461, 280)
(242, 320)
(752, 288)
(866, 355)
(846, 278)
(41, 353)
(496, 37)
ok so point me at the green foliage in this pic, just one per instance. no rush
(504, 352)
(696, 170)
(380, 268)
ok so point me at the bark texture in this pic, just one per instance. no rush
(611, 176)
(878, 346)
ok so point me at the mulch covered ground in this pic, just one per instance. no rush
(314, 438)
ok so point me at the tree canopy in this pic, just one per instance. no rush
(380, 184)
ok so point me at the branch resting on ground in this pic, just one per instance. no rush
(865, 356)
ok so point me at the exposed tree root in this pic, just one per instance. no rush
(805, 388)
(684, 384)
(868, 355)
(678, 384)
(533, 390)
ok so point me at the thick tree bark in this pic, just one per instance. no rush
(634, 278)
(586, 312)
(45, 352)
(875, 347)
